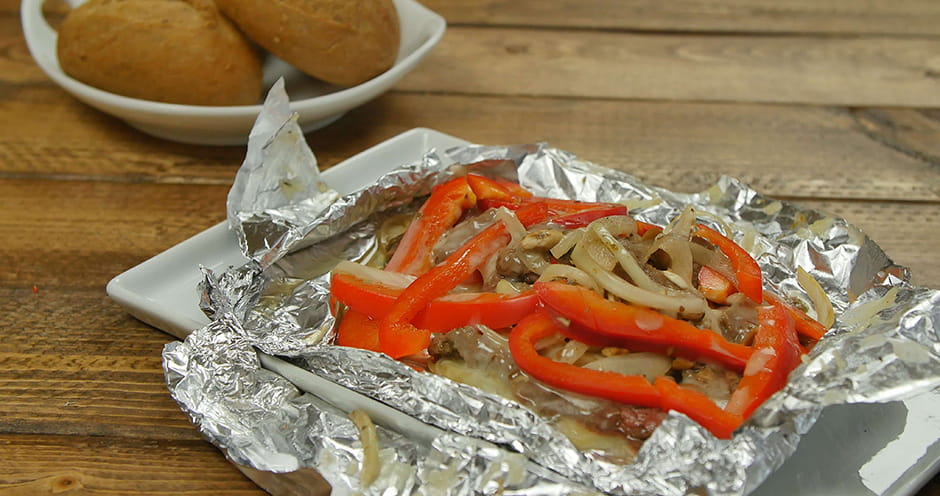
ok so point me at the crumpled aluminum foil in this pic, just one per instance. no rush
(884, 346)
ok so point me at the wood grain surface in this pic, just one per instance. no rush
(830, 103)
(797, 17)
(874, 70)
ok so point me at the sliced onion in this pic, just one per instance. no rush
(372, 274)
(713, 320)
(825, 314)
(624, 257)
(649, 365)
(680, 254)
(676, 279)
(675, 242)
(569, 273)
(740, 317)
(370, 446)
(725, 228)
(614, 447)
(390, 232)
(547, 342)
(678, 304)
(619, 225)
(506, 287)
(571, 352)
(536, 262)
(710, 381)
(458, 235)
(591, 245)
(567, 243)
(509, 219)
(488, 271)
(482, 379)
(715, 260)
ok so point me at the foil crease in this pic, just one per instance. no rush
(883, 347)
(261, 420)
(278, 185)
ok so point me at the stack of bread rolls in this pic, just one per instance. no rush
(209, 52)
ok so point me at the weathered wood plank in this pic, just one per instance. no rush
(860, 71)
(78, 233)
(800, 152)
(65, 318)
(759, 16)
(865, 71)
(902, 17)
(48, 132)
(781, 150)
(39, 465)
(76, 363)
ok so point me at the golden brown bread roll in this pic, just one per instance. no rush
(178, 51)
(343, 42)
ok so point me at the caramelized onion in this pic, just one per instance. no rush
(366, 273)
(571, 352)
(569, 273)
(370, 446)
(825, 315)
(682, 304)
(458, 235)
(674, 241)
(715, 260)
(567, 243)
(649, 365)
(626, 259)
(509, 219)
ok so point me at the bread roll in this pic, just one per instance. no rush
(177, 51)
(344, 42)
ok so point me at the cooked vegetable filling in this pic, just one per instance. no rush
(597, 321)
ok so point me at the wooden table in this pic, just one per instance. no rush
(832, 103)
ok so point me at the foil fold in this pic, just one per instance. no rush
(884, 346)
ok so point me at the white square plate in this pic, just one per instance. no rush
(887, 449)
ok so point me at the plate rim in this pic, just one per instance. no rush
(125, 288)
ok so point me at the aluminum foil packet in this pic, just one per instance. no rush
(885, 345)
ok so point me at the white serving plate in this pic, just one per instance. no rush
(885, 449)
(317, 104)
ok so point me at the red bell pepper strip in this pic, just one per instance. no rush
(746, 269)
(697, 407)
(643, 227)
(510, 203)
(629, 389)
(585, 217)
(589, 337)
(438, 214)
(514, 188)
(557, 208)
(397, 335)
(496, 189)
(494, 310)
(358, 330)
(750, 279)
(714, 286)
(531, 214)
(777, 353)
(638, 327)
(805, 325)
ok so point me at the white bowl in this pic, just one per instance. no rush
(316, 103)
